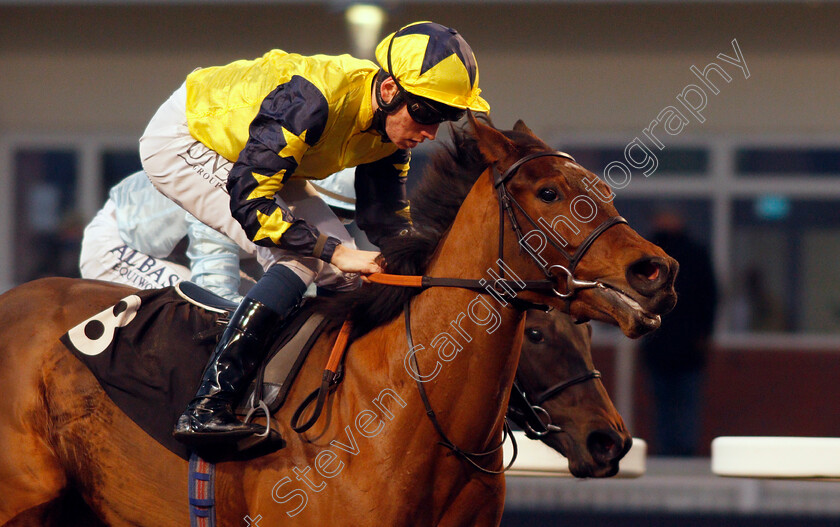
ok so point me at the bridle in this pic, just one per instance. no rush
(503, 287)
(507, 203)
(535, 420)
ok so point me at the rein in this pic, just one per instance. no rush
(430, 413)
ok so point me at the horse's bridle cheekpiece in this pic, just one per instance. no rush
(507, 203)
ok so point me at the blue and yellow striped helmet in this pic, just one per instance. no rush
(435, 62)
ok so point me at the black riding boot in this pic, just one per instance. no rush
(209, 418)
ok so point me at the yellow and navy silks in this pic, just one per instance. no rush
(286, 115)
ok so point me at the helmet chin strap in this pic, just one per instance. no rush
(378, 124)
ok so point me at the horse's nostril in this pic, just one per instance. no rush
(647, 275)
(604, 446)
(649, 270)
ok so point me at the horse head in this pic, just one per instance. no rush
(558, 376)
(568, 231)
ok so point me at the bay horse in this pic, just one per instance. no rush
(576, 416)
(375, 457)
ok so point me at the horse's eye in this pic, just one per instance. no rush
(534, 335)
(547, 194)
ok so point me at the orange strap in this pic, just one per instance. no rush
(396, 279)
(339, 347)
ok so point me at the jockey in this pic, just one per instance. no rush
(235, 146)
(131, 237)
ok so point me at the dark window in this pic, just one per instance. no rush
(683, 161)
(116, 166)
(48, 228)
(784, 261)
(788, 161)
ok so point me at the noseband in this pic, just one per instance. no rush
(530, 416)
(507, 203)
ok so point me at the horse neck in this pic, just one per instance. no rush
(473, 387)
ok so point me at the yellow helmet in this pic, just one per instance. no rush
(434, 62)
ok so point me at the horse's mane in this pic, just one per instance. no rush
(451, 174)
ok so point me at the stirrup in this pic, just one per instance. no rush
(264, 408)
(263, 443)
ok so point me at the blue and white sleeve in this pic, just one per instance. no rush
(214, 260)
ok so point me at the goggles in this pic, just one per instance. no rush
(426, 111)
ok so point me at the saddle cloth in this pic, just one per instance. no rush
(148, 353)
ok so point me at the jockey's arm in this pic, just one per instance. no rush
(382, 208)
(147, 220)
(290, 120)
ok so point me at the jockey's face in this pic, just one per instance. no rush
(402, 130)
(405, 132)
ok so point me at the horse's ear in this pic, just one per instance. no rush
(493, 144)
(520, 127)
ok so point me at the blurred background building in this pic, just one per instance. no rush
(754, 167)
